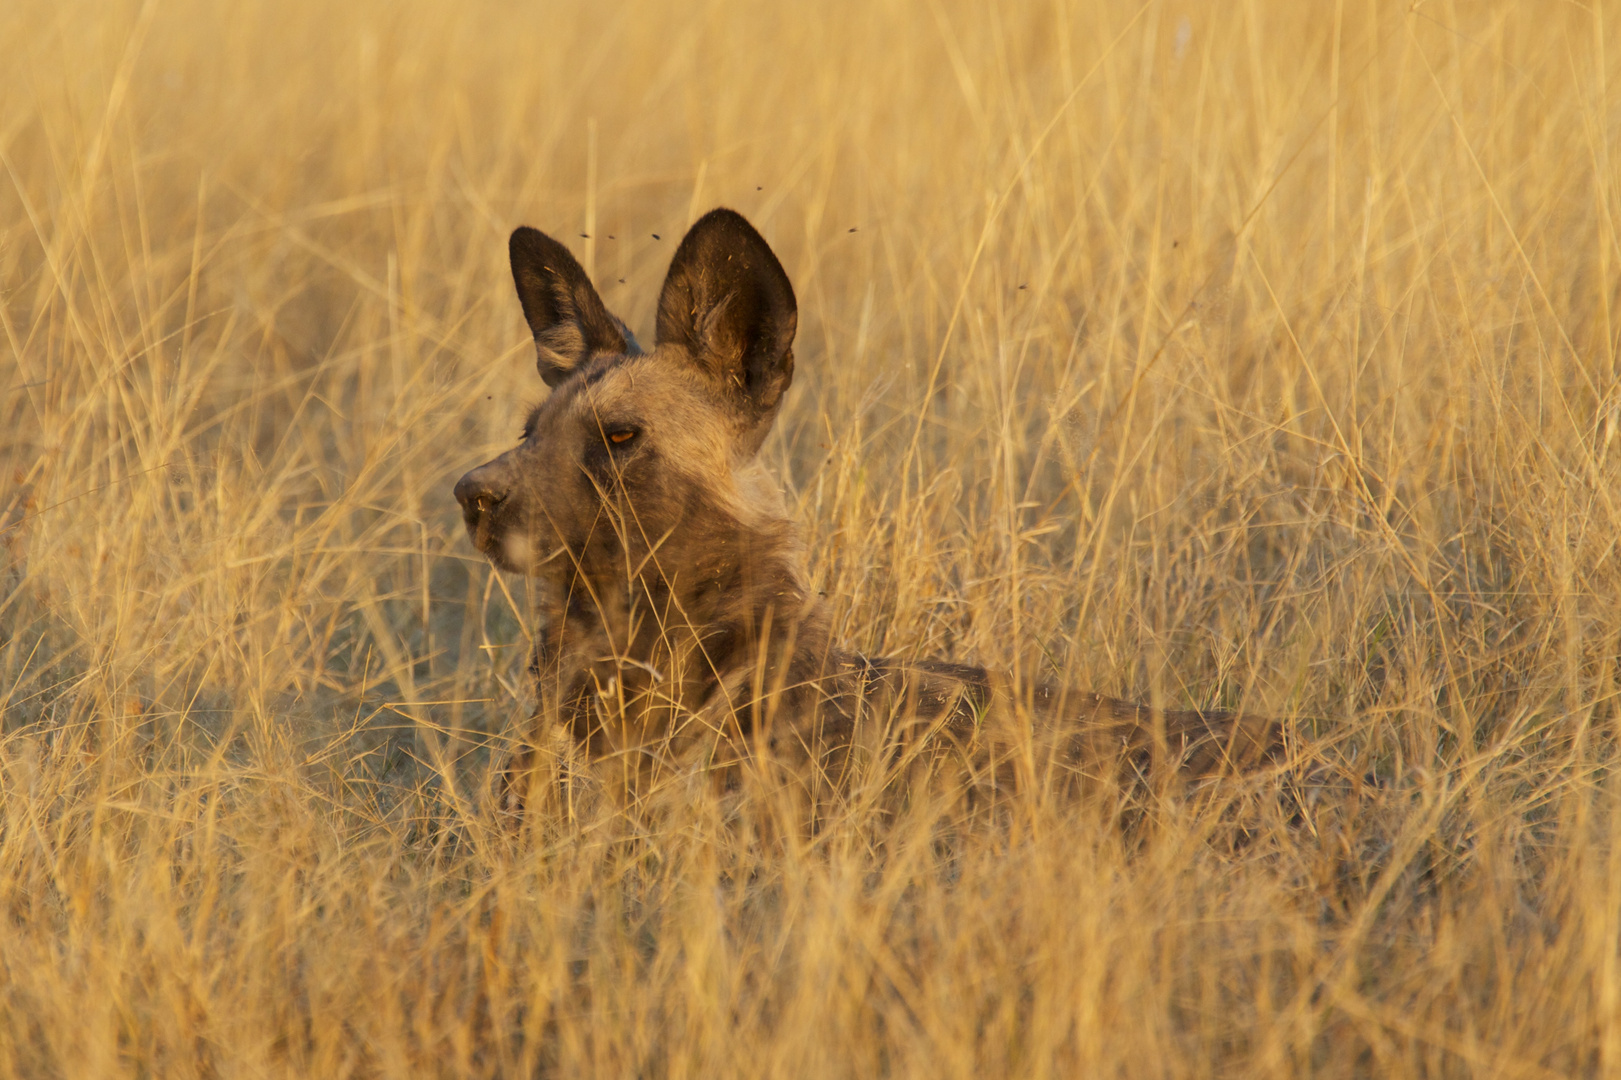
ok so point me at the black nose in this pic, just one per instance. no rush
(477, 492)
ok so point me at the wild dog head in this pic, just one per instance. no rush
(634, 452)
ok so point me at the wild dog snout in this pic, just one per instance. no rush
(481, 493)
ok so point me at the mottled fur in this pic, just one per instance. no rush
(679, 626)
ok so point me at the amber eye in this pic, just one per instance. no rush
(623, 435)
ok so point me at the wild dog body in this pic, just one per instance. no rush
(678, 619)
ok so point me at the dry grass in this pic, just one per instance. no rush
(1258, 353)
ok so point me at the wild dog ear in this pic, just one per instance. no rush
(729, 303)
(561, 306)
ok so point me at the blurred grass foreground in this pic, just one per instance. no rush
(1260, 354)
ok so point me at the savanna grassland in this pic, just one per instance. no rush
(1258, 354)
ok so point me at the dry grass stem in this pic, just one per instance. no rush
(1257, 355)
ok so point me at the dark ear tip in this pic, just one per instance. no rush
(726, 220)
(526, 239)
(726, 228)
(532, 251)
(726, 214)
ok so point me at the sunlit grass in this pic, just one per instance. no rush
(1259, 354)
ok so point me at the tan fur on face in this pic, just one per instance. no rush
(678, 409)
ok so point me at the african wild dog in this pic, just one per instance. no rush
(678, 623)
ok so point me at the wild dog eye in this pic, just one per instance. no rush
(620, 436)
(529, 423)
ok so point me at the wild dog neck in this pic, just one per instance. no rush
(628, 660)
(706, 582)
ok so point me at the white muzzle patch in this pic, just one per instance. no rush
(518, 550)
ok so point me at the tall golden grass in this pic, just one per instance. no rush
(1259, 354)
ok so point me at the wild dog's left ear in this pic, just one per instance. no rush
(561, 306)
(729, 303)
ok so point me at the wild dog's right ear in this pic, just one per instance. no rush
(562, 307)
(728, 302)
